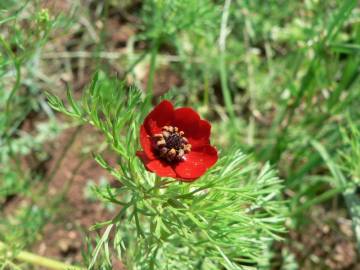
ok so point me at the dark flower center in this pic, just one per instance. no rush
(170, 144)
(174, 141)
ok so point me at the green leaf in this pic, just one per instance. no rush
(103, 241)
(351, 198)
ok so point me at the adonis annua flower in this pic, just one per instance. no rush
(176, 143)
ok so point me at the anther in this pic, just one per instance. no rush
(158, 135)
(166, 134)
(172, 154)
(187, 148)
(171, 144)
(163, 151)
(162, 142)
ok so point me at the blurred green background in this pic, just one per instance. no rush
(278, 79)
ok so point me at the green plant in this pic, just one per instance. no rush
(224, 219)
(277, 79)
(19, 98)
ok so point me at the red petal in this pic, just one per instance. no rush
(201, 136)
(161, 168)
(161, 115)
(196, 163)
(146, 144)
(187, 120)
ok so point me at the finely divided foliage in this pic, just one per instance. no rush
(226, 217)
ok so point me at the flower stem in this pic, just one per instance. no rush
(34, 259)
(150, 81)
(153, 239)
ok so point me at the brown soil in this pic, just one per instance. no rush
(76, 213)
(67, 171)
(327, 243)
(64, 237)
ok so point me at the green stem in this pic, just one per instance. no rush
(63, 155)
(17, 66)
(319, 199)
(153, 239)
(225, 88)
(34, 259)
(222, 63)
(150, 82)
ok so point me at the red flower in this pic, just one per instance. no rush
(176, 143)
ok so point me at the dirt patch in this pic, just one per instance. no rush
(70, 172)
(328, 242)
(165, 78)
